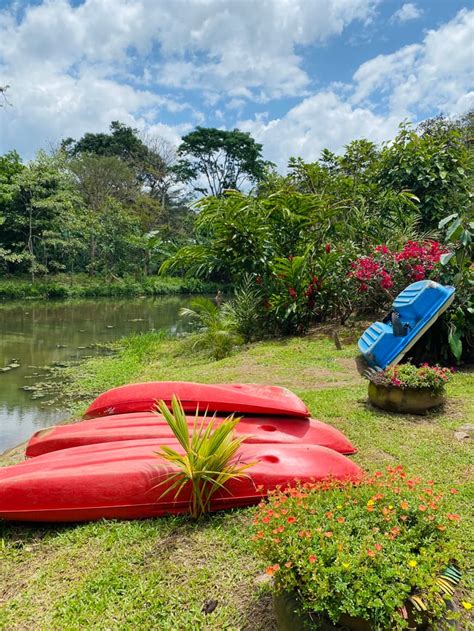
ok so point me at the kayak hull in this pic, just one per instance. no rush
(128, 480)
(219, 398)
(152, 426)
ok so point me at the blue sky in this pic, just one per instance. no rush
(300, 75)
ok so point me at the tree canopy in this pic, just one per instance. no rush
(216, 160)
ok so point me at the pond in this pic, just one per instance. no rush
(36, 334)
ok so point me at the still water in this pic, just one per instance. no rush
(35, 334)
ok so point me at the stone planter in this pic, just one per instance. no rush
(286, 606)
(404, 400)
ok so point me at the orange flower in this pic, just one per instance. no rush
(288, 564)
(453, 517)
(291, 520)
(341, 520)
(404, 505)
(454, 491)
(265, 520)
(272, 569)
(378, 547)
(441, 527)
(312, 558)
(370, 553)
(422, 507)
(329, 514)
(328, 534)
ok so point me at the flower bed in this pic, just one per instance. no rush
(364, 552)
(409, 389)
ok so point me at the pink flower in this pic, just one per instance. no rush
(386, 281)
(292, 292)
(383, 249)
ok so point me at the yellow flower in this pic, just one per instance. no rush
(412, 563)
(467, 606)
(370, 503)
(346, 566)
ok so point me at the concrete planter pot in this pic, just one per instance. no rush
(286, 606)
(404, 400)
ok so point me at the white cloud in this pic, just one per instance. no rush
(414, 82)
(74, 68)
(408, 11)
(435, 75)
(320, 121)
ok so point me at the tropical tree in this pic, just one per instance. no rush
(40, 201)
(432, 165)
(216, 160)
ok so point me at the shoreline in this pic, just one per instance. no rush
(83, 286)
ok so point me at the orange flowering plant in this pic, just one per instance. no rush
(362, 550)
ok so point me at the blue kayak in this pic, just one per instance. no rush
(414, 310)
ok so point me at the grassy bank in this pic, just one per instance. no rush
(83, 286)
(160, 574)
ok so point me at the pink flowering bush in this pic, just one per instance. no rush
(409, 376)
(380, 276)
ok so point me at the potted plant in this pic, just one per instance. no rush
(370, 556)
(407, 388)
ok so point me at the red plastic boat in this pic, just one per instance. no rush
(152, 426)
(219, 398)
(120, 480)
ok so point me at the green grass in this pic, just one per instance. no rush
(158, 574)
(83, 286)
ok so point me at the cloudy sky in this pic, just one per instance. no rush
(300, 75)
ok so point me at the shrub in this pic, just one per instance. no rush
(207, 462)
(409, 376)
(381, 275)
(362, 550)
(216, 332)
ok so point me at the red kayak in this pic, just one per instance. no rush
(219, 398)
(147, 425)
(120, 480)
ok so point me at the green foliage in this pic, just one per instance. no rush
(209, 457)
(457, 270)
(432, 165)
(407, 375)
(246, 308)
(82, 286)
(216, 333)
(361, 550)
(122, 142)
(225, 159)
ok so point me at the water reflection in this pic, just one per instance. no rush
(38, 333)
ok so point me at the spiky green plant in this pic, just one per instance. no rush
(216, 329)
(207, 462)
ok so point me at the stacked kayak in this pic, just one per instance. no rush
(108, 465)
(122, 427)
(219, 398)
(126, 480)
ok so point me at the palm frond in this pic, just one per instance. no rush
(208, 462)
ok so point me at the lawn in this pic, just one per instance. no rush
(175, 574)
